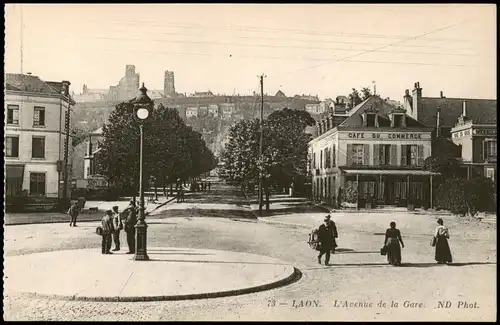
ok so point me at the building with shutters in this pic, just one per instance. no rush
(470, 123)
(35, 134)
(378, 150)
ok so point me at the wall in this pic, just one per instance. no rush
(52, 132)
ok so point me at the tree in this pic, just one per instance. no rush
(354, 98)
(462, 196)
(365, 93)
(171, 149)
(284, 156)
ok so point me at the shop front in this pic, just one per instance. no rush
(378, 187)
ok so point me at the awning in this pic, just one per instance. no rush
(389, 172)
(14, 171)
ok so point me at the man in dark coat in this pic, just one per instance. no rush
(117, 225)
(334, 232)
(130, 226)
(326, 240)
(107, 230)
(73, 213)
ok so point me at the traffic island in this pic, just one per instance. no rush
(170, 274)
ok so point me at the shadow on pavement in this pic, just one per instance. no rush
(290, 210)
(402, 265)
(179, 253)
(212, 261)
(210, 213)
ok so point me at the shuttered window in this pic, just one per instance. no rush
(12, 147)
(394, 155)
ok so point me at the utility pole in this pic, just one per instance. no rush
(261, 140)
(65, 93)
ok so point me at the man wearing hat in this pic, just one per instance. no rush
(117, 225)
(130, 226)
(326, 241)
(334, 232)
(107, 230)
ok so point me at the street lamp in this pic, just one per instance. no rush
(142, 106)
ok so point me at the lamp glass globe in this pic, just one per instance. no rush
(142, 113)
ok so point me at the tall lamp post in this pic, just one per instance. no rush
(142, 106)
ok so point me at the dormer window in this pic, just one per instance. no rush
(398, 118)
(370, 120)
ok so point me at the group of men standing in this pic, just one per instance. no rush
(113, 222)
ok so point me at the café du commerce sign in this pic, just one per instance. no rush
(388, 135)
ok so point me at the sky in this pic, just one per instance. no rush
(318, 49)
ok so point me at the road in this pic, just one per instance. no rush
(358, 278)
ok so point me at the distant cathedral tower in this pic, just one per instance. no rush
(169, 84)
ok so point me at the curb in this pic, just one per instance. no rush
(294, 277)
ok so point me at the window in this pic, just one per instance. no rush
(490, 150)
(39, 116)
(38, 147)
(357, 154)
(321, 159)
(13, 114)
(398, 120)
(37, 184)
(370, 120)
(385, 157)
(12, 146)
(412, 155)
(490, 173)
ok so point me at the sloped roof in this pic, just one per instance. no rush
(384, 108)
(28, 83)
(280, 93)
(57, 86)
(481, 111)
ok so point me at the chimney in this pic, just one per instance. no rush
(417, 101)
(442, 96)
(464, 108)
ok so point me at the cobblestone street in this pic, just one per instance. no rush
(222, 219)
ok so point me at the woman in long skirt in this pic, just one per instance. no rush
(442, 234)
(392, 240)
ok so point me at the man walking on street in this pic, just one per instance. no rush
(326, 240)
(334, 232)
(73, 213)
(107, 230)
(117, 226)
(130, 227)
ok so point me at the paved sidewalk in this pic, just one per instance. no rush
(11, 219)
(170, 274)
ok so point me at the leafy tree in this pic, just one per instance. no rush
(448, 167)
(365, 93)
(171, 149)
(462, 196)
(355, 98)
(284, 156)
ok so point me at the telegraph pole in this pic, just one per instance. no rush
(261, 140)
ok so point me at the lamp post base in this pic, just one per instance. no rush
(141, 253)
